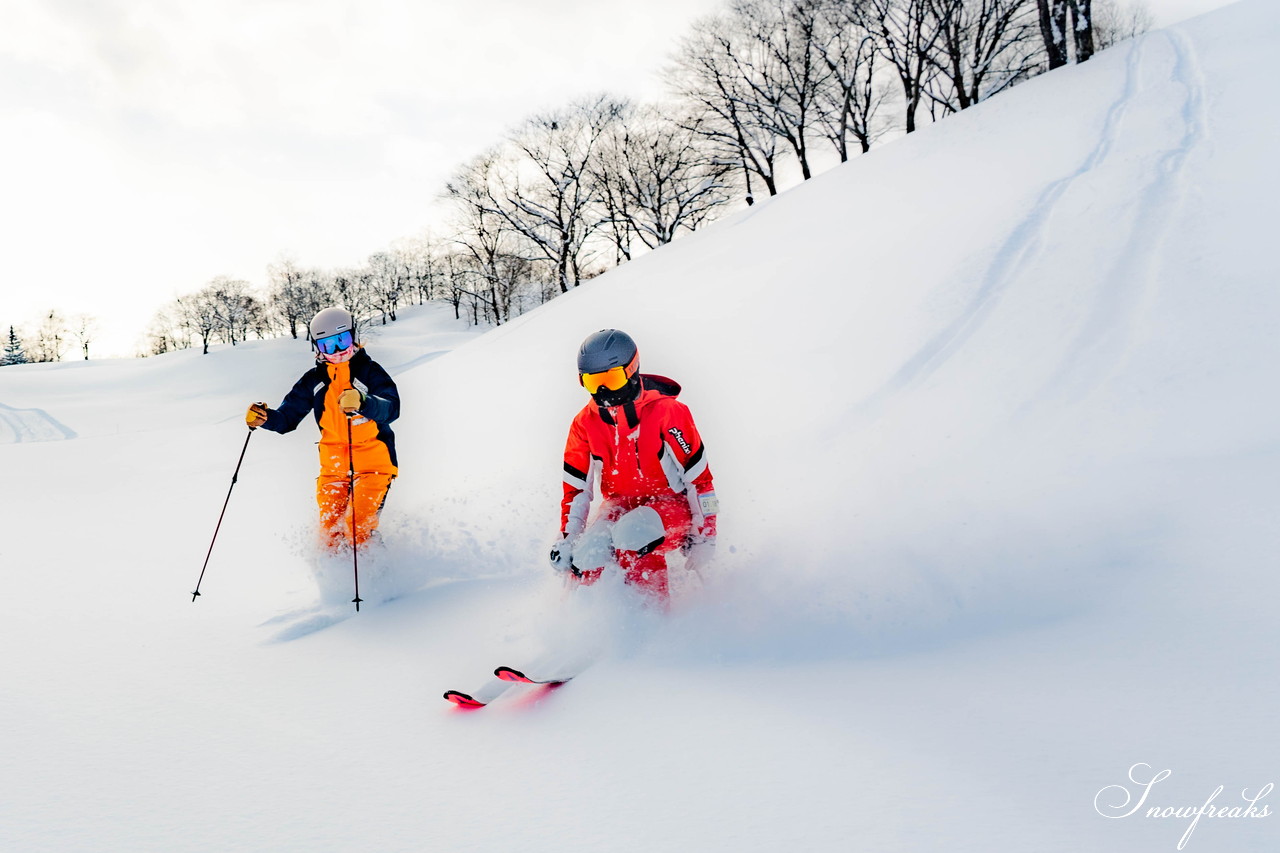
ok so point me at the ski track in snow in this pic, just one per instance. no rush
(1019, 250)
(1101, 342)
(414, 362)
(26, 425)
(299, 625)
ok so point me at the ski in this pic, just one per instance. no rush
(491, 690)
(463, 700)
(506, 677)
(507, 673)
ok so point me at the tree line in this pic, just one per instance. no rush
(51, 339)
(760, 95)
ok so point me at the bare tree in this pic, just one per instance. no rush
(353, 289)
(167, 332)
(50, 340)
(224, 311)
(907, 32)
(783, 69)
(198, 315)
(984, 47)
(512, 291)
(1053, 30)
(609, 187)
(1082, 28)
(486, 236)
(261, 322)
(538, 190)
(1066, 27)
(389, 283)
(1114, 21)
(320, 292)
(853, 94)
(654, 179)
(417, 260)
(547, 198)
(453, 264)
(85, 329)
(290, 296)
(709, 72)
(236, 309)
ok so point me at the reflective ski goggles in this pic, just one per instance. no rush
(333, 344)
(612, 379)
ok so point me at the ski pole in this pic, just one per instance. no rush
(234, 477)
(351, 498)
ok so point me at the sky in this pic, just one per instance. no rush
(148, 146)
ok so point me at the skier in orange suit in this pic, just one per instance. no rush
(354, 401)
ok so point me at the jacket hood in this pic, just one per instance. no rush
(660, 386)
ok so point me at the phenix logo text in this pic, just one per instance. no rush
(1122, 798)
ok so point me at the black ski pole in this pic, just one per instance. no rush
(234, 477)
(351, 498)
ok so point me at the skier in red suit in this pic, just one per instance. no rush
(641, 444)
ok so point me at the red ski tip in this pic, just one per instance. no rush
(462, 700)
(506, 673)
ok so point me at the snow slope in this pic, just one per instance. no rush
(989, 415)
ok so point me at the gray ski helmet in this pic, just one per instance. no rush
(331, 321)
(605, 349)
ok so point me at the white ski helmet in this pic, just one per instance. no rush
(333, 334)
(331, 321)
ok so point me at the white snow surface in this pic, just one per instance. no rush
(989, 416)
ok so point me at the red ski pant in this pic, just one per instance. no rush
(648, 571)
(333, 494)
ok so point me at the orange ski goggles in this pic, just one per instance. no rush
(612, 379)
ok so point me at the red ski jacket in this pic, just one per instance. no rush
(649, 448)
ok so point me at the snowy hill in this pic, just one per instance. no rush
(989, 419)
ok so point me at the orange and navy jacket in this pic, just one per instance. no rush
(373, 444)
(649, 448)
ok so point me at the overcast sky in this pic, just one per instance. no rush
(147, 146)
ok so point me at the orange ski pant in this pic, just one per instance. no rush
(333, 494)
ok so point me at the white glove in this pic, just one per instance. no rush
(562, 556)
(702, 545)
